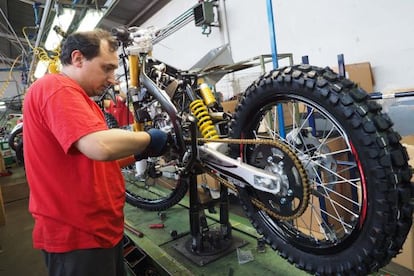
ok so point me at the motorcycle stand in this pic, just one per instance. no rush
(206, 245)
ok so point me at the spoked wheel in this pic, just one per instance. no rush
(155, 184)
(152, 184)
(159, 188)
(15, 142)
(358, 213)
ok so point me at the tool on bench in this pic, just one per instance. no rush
(133, 230)
(156, 225)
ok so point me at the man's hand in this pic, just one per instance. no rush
(158, 145)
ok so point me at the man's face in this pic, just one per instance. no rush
(98, 73)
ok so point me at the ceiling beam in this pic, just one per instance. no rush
(143, 12)
(12, 30)
(41, 2)
(12, 37)
(9, 60)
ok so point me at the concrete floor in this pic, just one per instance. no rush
(17, 257)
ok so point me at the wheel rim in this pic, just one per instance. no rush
(158, 186)
(331, 220)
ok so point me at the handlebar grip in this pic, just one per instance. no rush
(121, 33)
(59, 31)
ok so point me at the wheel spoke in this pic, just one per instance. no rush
(325, 153)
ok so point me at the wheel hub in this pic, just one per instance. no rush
(313, 154)
(292, 200)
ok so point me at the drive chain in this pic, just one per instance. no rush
(255, 201)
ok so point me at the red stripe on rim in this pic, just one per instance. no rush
(364, 186)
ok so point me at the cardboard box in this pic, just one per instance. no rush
(361, 74)
(406, 257)
(206, 185)
(399, 90)
(408, 142)
(229, 106)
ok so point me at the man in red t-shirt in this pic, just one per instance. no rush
(72, 161)
(119, 109)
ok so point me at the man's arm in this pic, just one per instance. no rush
(113, 144)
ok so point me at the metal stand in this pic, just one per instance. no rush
(206, 245)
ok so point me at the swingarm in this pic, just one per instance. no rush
(240, 173)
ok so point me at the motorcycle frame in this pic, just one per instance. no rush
(208, 156)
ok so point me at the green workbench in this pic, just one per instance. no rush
(162, 253)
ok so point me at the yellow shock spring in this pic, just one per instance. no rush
(205, 124)
(207, 95)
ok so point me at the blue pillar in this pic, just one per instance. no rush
(272, 35)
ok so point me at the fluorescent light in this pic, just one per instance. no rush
(90, 20)
(63, 21)
(41, 68)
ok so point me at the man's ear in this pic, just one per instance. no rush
(77, 58)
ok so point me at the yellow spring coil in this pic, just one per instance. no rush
(10, 77)
(205, 124)
(207, 95)
(42, 55)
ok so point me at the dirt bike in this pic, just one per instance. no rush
(316, 165)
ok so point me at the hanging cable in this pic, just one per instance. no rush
(10, 77)
(41, 54)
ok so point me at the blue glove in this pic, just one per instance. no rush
(157, 146)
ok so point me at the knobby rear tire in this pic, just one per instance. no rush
(383, 212)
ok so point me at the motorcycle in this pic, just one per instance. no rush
(317, 167)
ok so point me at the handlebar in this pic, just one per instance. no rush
(137, 39)
(121, 33)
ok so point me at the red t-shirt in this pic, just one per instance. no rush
(76, 202)
(120, 112)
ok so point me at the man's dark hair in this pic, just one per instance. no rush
(88, 43)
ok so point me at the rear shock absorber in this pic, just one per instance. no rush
(207, 95)
(205, 124)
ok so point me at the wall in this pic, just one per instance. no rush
(377, 31)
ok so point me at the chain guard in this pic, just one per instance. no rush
(293, 201)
